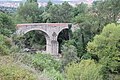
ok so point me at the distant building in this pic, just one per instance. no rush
(15, 4)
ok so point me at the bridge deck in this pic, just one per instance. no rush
(43, 24)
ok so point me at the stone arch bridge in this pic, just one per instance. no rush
(50, 31)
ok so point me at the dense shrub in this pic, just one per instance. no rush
(85, 70)
(107, 43)
(11, 71)
(45, 61)
(6, 24)
(107, 47)
(44, 64)
(5, 45)
(52, 75)
(38, 61)
(69, 53)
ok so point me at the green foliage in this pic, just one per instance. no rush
(53, 75)
(88, 27)
(39, 61)
(6, 21)
(85, 70)
(65, 12)
(15, 73)
(5, 32)
(92, 20)
(10, 71)
(44, 64)
(49, 4)
(5, 45)
(18, 40)
(69, 54)
(105, 43)
(58, 13)
(79, 43)
(105, 46)
(6, 24)
(29, 12)
(35, 39)
(81, 8)
(45, 61)
(107, 10)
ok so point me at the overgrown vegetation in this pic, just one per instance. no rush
(5, 45)
(92, 52)
(12, 71)
(85, 70)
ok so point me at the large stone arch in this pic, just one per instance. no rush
(47, 37)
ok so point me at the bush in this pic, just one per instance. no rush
(5, 45)
(52, 75)
(45, 61)
(69, 54)
(107, 47)
(15, 73)
(6, 24)
(85, 70)
(10, 70)
(38, 61)
(107, 43)
(44, 64)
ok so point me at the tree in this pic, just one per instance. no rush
(69, 54)
(85, 70)
(29, 12)
(54, 13)
(88, 27)
(35, 39)
(60, 13)
(108, 39)
(107, 10)
(66, 12)
(49, 4)
(80, 8)
(106, 47)
(7, 26)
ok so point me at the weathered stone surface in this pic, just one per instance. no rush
(50, 30)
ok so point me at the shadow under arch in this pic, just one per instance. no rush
(39, 34)
(62, 36)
